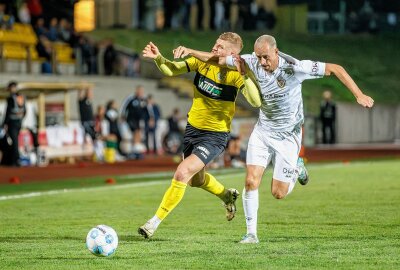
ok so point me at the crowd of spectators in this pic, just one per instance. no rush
(106, 129)
(165, 14)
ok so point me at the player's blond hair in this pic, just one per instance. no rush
(232, 38)
(270, 40)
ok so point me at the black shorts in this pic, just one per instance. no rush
(134, 124)
(206, 145)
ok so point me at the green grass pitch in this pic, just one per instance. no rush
(348, 217)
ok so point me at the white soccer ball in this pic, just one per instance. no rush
(102, 240)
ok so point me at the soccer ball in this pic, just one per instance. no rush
(102, 240)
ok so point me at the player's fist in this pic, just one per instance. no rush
(150, 51)
(239, 64)
(365, 101)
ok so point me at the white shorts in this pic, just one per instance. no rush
(282, 148)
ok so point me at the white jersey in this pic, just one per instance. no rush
(282, 103)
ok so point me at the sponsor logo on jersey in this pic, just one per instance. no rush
(209, 87)
(315, 68)
(281, 81)
(273, 96)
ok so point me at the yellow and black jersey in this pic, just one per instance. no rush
(215, 91)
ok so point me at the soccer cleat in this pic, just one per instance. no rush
(230, 205)
(303, 174)
(147, 230)
(249, 239)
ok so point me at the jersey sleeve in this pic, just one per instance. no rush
(230, 61)
(192, 64)
(307, 70)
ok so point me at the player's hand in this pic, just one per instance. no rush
(151, 51)
(239, 64)
(365, 101)
(181, 52)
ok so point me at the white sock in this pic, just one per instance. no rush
(250, 207)
(155, 221)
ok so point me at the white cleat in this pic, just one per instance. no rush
(249, 239)
(303, 177)
(147, 230)
(230, 205)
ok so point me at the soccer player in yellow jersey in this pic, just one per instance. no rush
(209, 120)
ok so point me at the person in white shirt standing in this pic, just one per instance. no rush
(277, 135)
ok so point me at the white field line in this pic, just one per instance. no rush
(102, 188)
(152, 183)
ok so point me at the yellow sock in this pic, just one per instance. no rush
(172, 197)
(213, 186)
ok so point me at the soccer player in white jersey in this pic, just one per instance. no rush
(277, 135)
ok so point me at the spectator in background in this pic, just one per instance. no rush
(45, 50)
(35, 9)
(112, 117)
(85, 102)
(39, 27)
(6, 20)
(15, 113)
(110, 58)
(132, 111)
(173, 121)
(64, 31)
(98, 128)
(186, 14)
(151, 116)
(173, 141)
(233, 152)
(23, 13)
(169, 9)
(52, 33)
(89, 52)
(200, 14)
(328, 118)
(98, 121)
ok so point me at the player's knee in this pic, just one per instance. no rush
(181, 174)
(251, 183)
(278, 193)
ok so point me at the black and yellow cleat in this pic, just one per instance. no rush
(230, 204)
(147, 230)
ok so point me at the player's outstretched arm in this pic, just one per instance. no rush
(167, 67)
(344, 77)
(207, 57)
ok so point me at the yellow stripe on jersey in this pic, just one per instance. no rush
(215, 92)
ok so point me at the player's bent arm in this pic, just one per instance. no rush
(208, 57)
(170, 68)
(251, 92)
(345, 78)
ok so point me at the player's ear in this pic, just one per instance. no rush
(276, 51)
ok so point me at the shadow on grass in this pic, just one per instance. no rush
(138, 238)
